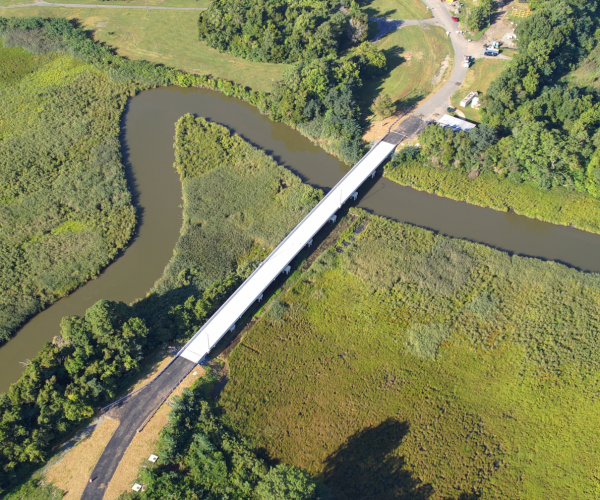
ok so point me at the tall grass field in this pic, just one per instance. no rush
(408, 365)
(65, 208)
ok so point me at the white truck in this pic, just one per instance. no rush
(467, 62)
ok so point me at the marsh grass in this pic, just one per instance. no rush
(479, 378)
(238, 205)
(558, 205)
(65, 209)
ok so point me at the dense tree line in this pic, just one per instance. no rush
(317, 95)
(536, 125)
(282, 30)
(318, 98)
(201, 457)
(245, 202)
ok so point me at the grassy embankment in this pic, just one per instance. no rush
(238, 205)
(397, 9)
(409, 365)
(558, 205)
(162, 37)
(64, 203)
(414, 56)
(479, 77)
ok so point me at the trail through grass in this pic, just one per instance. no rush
(163, 37)
(408, 365)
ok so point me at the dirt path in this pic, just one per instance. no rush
(41, 3)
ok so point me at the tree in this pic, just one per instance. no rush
(383, 106)
(285, 481)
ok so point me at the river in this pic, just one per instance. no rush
(147, 143)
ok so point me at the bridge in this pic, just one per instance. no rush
(136, 409)
(278, 261)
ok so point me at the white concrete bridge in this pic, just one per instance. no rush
(251, 290)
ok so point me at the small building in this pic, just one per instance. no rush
(456, 124)
(470, 96)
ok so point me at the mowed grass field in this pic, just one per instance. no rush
(166, 37)
(414, 56)
(397, 9)
(407, 365)
(479, 77)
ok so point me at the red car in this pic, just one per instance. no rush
(455, 19)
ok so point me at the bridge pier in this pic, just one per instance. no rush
(287, 269)
(373, 174)
(232, 328)
(260, 297)
(310, 242)
(333, 218)
(354, 195)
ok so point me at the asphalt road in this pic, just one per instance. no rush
(131, 413)
(41, 3)
(439, 102)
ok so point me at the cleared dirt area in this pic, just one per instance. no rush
(144, 443)
(72, 472)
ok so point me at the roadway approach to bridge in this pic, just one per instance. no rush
(135, 410)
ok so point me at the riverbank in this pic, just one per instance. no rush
(226, 227)
(404, 364)
(65, 206)
(557, 205)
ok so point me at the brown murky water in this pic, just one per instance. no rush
(148, 130)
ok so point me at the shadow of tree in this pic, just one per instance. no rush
(372, 87)
(364, 467)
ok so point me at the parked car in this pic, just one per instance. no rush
(493, 53)
(455, 19)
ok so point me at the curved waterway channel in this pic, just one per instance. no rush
(147, 142)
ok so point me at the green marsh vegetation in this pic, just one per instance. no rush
(213, 461)
(237, 201)
(409, 365)
(541, 124)
(65, 208)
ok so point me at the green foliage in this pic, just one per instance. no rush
(282, 30)
(64, 203)
(479, 15)
(317, 96)
(558, 205)
(235, 197)
(213, 461)
(383, 106)
(424, 340)
(82, 367)
(35, 489)
(549, 129)
(539, 126)
(414, 389)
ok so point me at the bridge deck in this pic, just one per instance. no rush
(239, 302)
